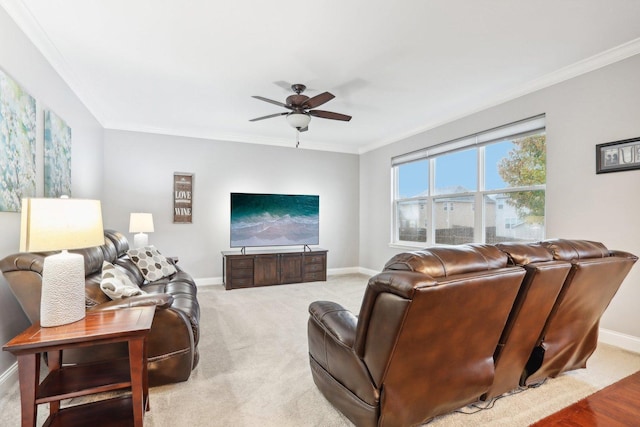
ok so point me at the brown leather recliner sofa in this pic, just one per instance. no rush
(444, 327)
(173, 339)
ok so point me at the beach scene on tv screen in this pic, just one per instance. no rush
(274, 220)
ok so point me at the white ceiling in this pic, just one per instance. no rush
(398, 67)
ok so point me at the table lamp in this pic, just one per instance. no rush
(140, 223)
(50, 224)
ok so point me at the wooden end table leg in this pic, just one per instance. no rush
(29, 377)
(137, 366)
(54, 361)
(145, 376)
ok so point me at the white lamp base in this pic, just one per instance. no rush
(62, 298)
(140, 240)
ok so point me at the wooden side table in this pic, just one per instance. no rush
(65, 382)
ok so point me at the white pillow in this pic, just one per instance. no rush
(151, 263)
(116, 284)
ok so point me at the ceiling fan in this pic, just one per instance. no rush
(301, 107)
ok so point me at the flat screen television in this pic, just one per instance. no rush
(274, 220)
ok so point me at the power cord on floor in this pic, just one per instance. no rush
(476, 407)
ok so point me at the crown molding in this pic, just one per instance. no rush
(230, 137)
(600, 60)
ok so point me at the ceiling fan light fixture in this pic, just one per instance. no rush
(298, 120)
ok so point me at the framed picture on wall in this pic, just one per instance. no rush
(182, 198)
(618, 156)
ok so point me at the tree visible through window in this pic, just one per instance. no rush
(525, 167)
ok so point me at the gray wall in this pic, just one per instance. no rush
(138, 177)
(24, 63)
(597, 107)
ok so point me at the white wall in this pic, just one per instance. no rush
(139, 170)
(597, 107)
(24, 63)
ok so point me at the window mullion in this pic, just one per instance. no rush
(479, 214)
(395, 235)
(431, 229)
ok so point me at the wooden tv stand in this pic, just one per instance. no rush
(263, 268)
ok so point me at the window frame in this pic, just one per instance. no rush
(537, 126)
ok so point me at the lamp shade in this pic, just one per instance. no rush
(141, 223)
(298, 120)
(50, 224)
(61, 224)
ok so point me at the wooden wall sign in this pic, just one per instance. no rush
(182, 198)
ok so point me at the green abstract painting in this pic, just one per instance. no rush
(17, 144)
(57, 156)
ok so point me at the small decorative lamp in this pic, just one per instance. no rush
(59, 224)
(140, 223)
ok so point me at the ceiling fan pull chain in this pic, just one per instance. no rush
(297, 138)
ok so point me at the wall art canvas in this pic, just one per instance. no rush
(17, 144)
(57, 156)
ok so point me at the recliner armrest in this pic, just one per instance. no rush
(336, 320)
(623, 254)
(159, 300)
(331, 334)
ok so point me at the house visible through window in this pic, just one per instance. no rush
(502, 170)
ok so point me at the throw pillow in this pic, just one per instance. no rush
(116, 284)
(151, 263)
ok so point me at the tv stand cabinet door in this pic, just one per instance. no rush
(314, 266)
(291, 268)
(238, 271)
(265, 270)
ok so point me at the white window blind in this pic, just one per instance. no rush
(514, 130)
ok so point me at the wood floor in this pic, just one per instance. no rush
(617, 405)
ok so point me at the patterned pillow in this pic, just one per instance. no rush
(116, 284)
(151, 263)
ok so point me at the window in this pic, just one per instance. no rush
(502, 170)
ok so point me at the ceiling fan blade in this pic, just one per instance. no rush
(330, 115)
(318, 100)
(268, 117)
(271, 101)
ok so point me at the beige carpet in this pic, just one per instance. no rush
(254, 368)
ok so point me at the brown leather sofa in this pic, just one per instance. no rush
(173, 339)
(443, 327)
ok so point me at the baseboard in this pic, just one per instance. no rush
(8, 379)
(339, 271)
(208, 281)
(367, 271)
(618, 339)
